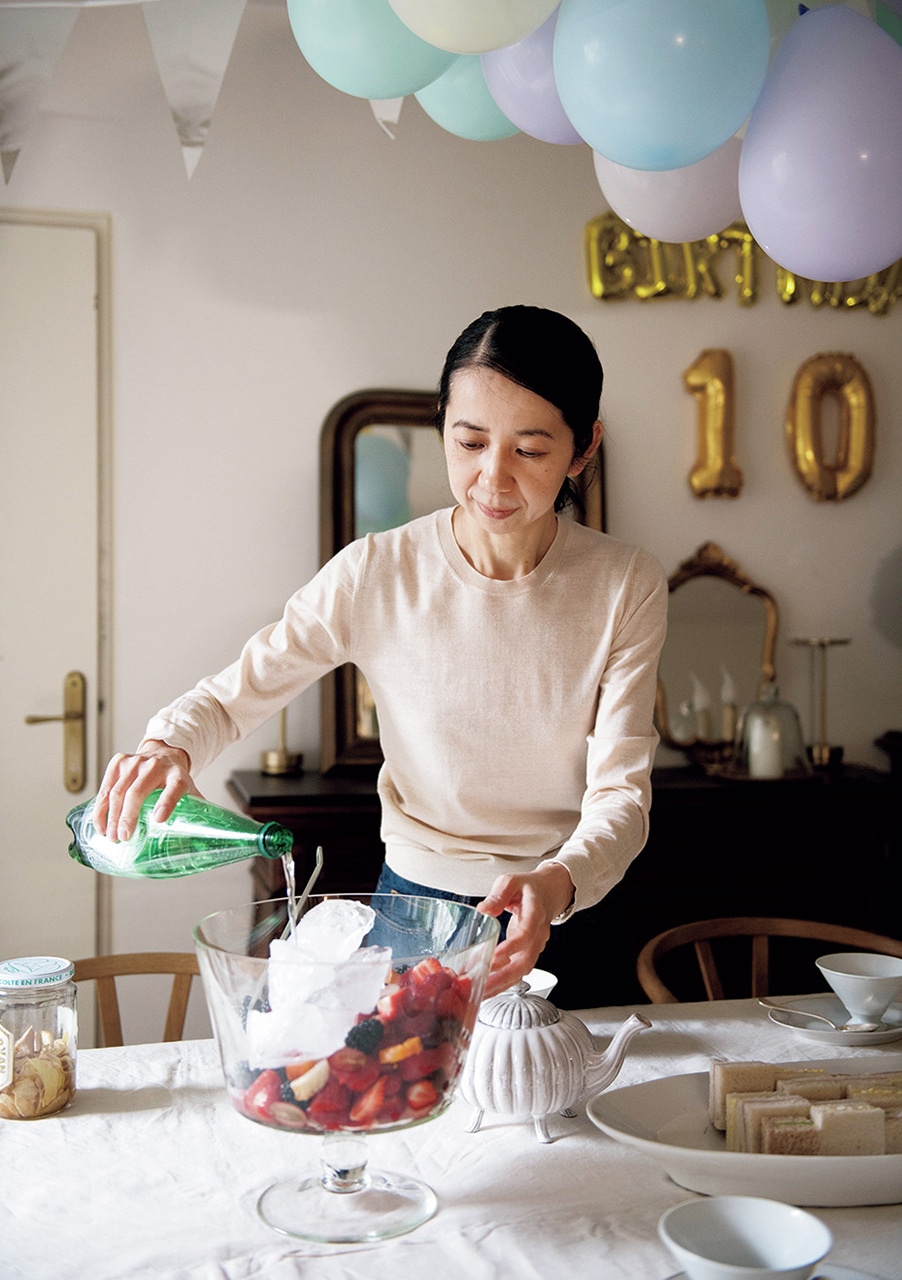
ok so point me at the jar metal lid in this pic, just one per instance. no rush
(35, 971)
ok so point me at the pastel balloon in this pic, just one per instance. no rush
(460, 102)
(473, 26)
(363, 48)
(783, 13)
(676, 204)
(820, 176)
(520, 78)
(658, 84)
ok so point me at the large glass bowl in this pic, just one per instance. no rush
(299, 1053)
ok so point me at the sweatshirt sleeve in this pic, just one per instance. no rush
(613, 825)
(275, 665)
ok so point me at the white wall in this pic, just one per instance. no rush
(311, 256)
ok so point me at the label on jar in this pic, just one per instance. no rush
(7, 1053)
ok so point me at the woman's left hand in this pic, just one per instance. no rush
(533, 900)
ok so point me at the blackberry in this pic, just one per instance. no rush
(366, 1036)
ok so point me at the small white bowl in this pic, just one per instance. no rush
(744, 1238)
(541, 982)
(866, 983)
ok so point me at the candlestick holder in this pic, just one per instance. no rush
(822, 754)
(280, 762)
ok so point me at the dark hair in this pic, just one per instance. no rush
(544, 352)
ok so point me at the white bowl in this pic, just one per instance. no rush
(866, 983)
(541, 982)
(744, 1238)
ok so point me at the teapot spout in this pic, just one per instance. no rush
(602, 1068)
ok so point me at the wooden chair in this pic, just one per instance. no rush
(760, 929)
(104, 970)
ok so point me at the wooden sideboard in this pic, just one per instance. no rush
(825, 848)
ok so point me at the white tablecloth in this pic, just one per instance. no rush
(151, 1175)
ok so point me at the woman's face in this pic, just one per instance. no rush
(507, 450)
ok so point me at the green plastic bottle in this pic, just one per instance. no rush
(197, 837)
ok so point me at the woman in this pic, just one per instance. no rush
(512, 656)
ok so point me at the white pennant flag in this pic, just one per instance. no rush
(31, 41)
(387, 112)
(192, 43)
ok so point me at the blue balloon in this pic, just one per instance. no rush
(659, 84)
(461, 103)
(363, 48)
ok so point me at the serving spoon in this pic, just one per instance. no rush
(837, 1026)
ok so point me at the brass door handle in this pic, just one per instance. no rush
(74, 736)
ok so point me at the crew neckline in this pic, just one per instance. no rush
(461, 566)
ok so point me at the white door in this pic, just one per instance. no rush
(51, 411)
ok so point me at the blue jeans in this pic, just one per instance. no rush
(390, 882)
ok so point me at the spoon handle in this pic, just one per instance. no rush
(802, 1013)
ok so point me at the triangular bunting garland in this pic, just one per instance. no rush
(387, 112)
(31, 41)
(192, 43)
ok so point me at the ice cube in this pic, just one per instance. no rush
(314, 1005)
(333, 929)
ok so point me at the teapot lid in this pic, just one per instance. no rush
(518, 1010)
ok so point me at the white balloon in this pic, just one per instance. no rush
(473, 26)
(675, 204)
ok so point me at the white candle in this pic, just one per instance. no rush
(765, 748)
(701, 705)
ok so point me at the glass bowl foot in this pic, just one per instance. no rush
(385, 1205)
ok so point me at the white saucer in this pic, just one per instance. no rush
(829, 1005)
(823, 1272)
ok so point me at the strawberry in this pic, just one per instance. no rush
(329, 1107)
(421, 1095)
(367, 1107)
(259, 1098)
(391, 1003)
(423, 1064)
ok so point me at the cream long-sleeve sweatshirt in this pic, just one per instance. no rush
(516, 717)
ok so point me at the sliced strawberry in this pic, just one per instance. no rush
(451, 1004)
(391, 1003)
(367, 1107)
(421, 1095)
(359, 1081)
(329, 1108)
(392, 1109)
(423, 1064)
(429, 965)
(260, 1096)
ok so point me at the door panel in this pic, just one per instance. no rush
(49, 594)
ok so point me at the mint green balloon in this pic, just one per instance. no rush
(363, 48)
(459, 101)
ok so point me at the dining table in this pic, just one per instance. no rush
(151, 1174)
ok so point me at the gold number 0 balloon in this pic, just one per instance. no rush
(841, 376)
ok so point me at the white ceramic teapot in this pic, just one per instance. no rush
(528, 1058)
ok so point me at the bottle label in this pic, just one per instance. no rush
(7, 1053)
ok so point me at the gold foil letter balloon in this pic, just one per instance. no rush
(841, 376)
(710, 379)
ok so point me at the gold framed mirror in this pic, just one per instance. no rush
(718, 656)
(381, 463)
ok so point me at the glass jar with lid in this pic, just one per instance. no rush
(38, 1036)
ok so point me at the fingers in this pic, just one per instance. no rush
(129, 780)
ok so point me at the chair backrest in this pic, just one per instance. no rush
(104, 970)
(760, 929)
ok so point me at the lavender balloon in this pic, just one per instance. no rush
(820, 176)
(520, 78)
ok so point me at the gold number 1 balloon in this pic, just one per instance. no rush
(710, 379)
(841, 376)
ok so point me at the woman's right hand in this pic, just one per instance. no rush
(129, 780)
